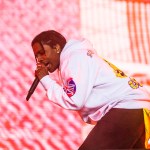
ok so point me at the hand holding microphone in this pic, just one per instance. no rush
(40, 72)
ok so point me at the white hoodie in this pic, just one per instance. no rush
(92, 85)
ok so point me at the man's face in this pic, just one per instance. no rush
(47, 55)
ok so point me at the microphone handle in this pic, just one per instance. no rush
(32, 88)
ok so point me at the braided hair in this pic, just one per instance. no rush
(51, 38)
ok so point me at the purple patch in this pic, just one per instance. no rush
(70, 87)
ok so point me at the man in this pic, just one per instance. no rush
(102, 94)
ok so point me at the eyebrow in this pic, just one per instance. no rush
(40, 51)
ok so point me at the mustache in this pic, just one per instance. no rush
(44, 62)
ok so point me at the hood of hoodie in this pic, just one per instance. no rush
(76, 45)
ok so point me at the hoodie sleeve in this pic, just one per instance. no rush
(77, 82)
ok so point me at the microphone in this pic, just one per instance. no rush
(32, 88)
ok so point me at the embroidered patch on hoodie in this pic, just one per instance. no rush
(70, 87)
(90, 53)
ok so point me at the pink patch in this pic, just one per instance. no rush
(70, 87)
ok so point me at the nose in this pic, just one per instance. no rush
(39, 58)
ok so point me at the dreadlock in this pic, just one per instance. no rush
(50, 38)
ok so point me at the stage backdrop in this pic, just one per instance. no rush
(36, 124)
(119, 31)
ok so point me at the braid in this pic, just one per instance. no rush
(51, 38)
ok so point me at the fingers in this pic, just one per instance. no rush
(41, 70)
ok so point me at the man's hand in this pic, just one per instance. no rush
(41, 71)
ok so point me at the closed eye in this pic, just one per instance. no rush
(41, 52)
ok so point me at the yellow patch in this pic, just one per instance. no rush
(119, 73)
(147, 127)
(134, 84)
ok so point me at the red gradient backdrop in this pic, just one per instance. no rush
(36, 124)
(119, 30)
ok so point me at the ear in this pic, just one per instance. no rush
(57, 48)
